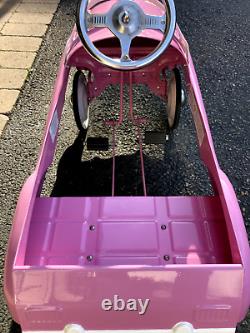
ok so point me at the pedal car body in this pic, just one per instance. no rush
(74, 262)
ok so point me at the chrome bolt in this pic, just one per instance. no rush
(125, 57)
(163, 227)
(166, 257)
(125, 17)
(91, 227)
(90, 258)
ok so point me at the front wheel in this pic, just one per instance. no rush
(175, 98)
(80, 101)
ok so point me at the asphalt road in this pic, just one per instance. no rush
(217, 32)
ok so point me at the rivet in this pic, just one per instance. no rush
(166, 257)
(163, 227)
(95, 88)
(91, 227)
(90, 258)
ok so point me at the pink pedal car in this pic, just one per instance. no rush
(135, 263)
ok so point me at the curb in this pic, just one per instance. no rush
(23, 25)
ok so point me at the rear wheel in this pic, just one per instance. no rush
(80, 101)
(175, 99)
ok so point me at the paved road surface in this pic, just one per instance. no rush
(217, 33)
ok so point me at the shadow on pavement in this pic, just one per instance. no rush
(15, 328)
(6, 6)
(94, 177)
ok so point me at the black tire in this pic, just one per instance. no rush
(80, 101)
(174, 105)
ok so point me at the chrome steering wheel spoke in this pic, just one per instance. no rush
(154, 22)
(97, 21)
(125, 42)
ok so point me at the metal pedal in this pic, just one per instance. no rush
(156, 138)
(98, 143)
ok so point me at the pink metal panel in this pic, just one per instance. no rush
(132, 231)
(49, 298)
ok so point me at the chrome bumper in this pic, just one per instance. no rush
(178, 328)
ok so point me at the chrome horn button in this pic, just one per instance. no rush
(126, 17)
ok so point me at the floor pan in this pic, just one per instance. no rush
(127, 231)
